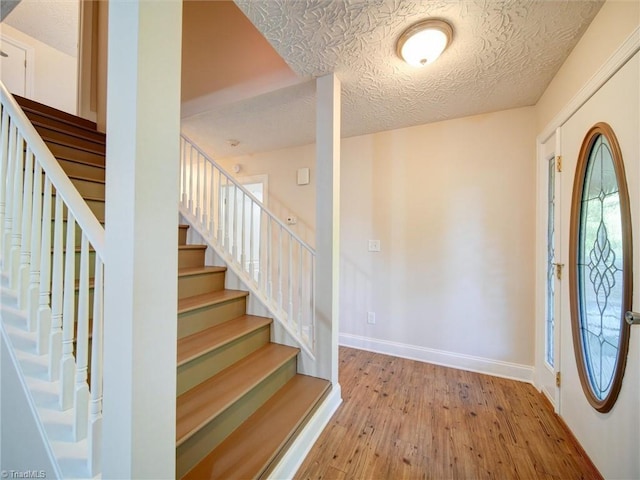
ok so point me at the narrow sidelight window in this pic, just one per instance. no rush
(600, 267)
(551, 271)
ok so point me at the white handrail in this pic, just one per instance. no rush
(275, 263)
(42, 265)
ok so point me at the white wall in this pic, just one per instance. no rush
(55, 73)
(21, 446)
(453, 205)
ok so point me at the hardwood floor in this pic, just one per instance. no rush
(404, 419)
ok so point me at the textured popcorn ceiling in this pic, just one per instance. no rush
(503, 55)
(54, 22)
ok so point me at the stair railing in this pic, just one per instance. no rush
(276, 265)
(50, 271)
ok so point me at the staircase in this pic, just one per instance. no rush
(240, 400)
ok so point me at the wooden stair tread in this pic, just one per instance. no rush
(31, 105)
(209, 298)
(208, 340)
(185, 272)
(46, 122)
(192, 247)
(78, 156)
(198, 406)
(248, 452)
(49, 137)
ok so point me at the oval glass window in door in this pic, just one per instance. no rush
(600, 267)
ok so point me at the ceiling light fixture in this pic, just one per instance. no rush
(423, 42)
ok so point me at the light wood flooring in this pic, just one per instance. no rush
(403, 419)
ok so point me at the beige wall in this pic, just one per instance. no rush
(55, 74)
(453, 206)
(615, 21)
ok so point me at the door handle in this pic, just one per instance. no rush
(632, 318)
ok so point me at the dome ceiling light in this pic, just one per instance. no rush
(423, 42)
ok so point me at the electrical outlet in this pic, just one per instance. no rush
(371, 318)
(374, 245)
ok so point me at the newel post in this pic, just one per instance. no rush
(140, 290)
(327, 225)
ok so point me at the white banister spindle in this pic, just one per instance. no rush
(279, 273)
(81, 391)
(16, 231)
(4, 160)
(183, 170)
(243, 254)
(205, 187)
(234, 218)
(226, 242)
(212, 210)
(36, 240)
(55, 339)
(95, 407)
(290, 281)
(42, 288)
(198, 210)
(299, 318)
(218, 194)
(251, 244)
(269, 259)
(8, 214)
(25, 248)
(67, 363)
(191, 179)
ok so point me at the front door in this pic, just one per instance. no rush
(610, 439)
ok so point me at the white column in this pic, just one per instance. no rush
(143, 126)
(327, 225)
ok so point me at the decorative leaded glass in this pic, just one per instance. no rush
(601, 276)
(550, 320)
(600, 268)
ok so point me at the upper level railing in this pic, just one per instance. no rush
(273, 261)
(50, 269)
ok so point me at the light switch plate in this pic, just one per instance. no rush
(374, 245)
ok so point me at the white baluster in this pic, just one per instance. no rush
(67, 363)
(39, 289)
(234, 219)
(183, 170)
(8, 214)
(300, 296)
(36, 240)
(252, 268)
(81, 394)
(227, 240)
(212, 204)
(55, 340)
(269, 264)
(190, 179)
(205, 204)
(280, 268)
(243, 228)
(16, 231)
(25, 249)
(95, 407)
(220, 237)
(198, 188)
(4, 160)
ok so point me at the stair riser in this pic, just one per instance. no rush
(210, 436)
(197, 320)
(87, 188)
(82, 170)
(69, 140)
(190, 258)
(205, 366)
(41, 121)
(182, 236)
(79, 155)
(96, 206)
(190, 285)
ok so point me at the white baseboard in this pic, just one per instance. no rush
(514, 371)
(297, 452)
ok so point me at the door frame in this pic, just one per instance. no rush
(29, 59)
(619, 58)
